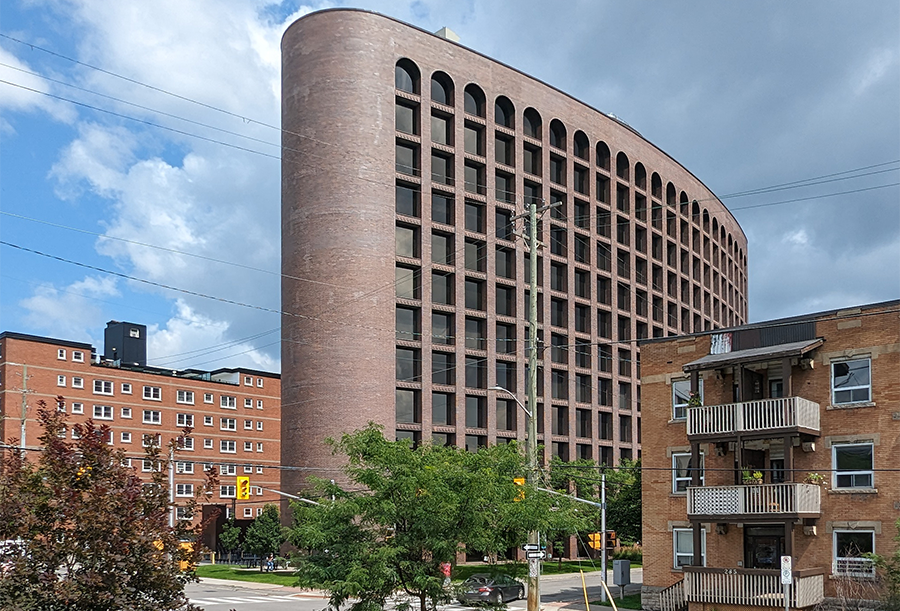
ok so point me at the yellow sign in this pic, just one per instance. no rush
(520, 494)
(595, 540)
(243, 488)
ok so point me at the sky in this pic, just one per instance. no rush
(140, 172)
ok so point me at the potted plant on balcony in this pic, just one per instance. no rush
(694, 400)
(751, 477)
(814, 478)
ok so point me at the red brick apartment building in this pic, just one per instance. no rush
(235, 413)
(407, 160)
(812, 405)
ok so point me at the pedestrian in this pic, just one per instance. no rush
(445, 570)
(270, 563)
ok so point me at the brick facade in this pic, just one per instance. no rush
(235, 406)
(870, 334)
(638, 248)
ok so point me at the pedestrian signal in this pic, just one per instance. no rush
(243, 488)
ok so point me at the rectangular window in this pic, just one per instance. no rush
(126, 389)
(152, 393)
(227, 446)
(442, 207)
(248, 446)
(207, 420)
(207, 397)
(259, 425)
(850, 548)
(60, 380)
(187, 443)
(184, 396)
(227, 492)
(77, 408)
(103, 387)
(125, 437)
(207, 444)
(259, 446)
(407, 406)
(443, 368)
(152, 416)
(683, 544)
(61, 354)
(681, 395)
(103, 412)
(682, 471)
(77, 382)
(851, 381)
(476, 412)
(184, 420)
(184, 467)
(853, 465)
(443, 408)
(474, 216)
(78, 356)
(248, 425)
(259, 404)
(248, 403)
(259, 382)
(248, 469)
(475, 372)
(183, 490)
(151, 440)
(228, 402)
(228, 424)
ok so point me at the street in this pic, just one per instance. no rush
(557, 592)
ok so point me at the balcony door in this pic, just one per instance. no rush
(763, 546)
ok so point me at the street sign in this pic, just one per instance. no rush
(531, 547)
(531, 555)
(786, 570)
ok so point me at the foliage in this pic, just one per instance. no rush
(266, 534)
(814, 478)
(91, 534)
(406, 511)
(630, 601)
(237, 573)
(634, 553)
(231, 536)
(889, 571)
(623, 493)
(751, 477)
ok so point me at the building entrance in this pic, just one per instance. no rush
(763, 546)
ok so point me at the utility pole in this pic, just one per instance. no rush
(534, 537)
(603, 528)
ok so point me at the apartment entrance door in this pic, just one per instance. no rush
(763, 546)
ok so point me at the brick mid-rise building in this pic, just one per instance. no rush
(795, 425)
(234, 413)
(407, 159)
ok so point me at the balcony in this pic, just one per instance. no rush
(762, 418)
(737, 503)
(752, 587)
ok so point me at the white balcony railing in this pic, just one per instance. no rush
(763, 499)
(758, 588)
(753, 416)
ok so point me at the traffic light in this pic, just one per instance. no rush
(243, 488)
(610, 538)
(595, 540)
(520, 494)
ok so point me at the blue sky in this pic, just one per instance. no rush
(745, 95)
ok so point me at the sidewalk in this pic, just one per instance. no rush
(252, 585)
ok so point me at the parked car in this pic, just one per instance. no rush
(494, 589)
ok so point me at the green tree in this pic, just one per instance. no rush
(231, 536)
(407, 510)
(266, 534)
(91, 534)
(889, 570)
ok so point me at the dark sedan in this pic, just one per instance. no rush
(493, 589)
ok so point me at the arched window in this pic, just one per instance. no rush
(603, 155)
(715, 229)
(670, 195)
(683, 203)
(695, 211)
(474, 100)
(582, 146)
(406, 76)
(557, 134)
(504, 112)
(442, 89)
(705, 220)
(656, 186)
(622, 166)
(531, 123)
(640, 176)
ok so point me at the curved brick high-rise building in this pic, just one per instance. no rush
(407, 158)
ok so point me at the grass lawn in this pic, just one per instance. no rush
(228, 571)
(631, 601)
(519, 569)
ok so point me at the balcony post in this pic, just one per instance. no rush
(698, 542)
(695, 464)
(788, 459)
(789, 538)
(786, 378)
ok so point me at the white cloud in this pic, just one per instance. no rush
(70, 311)
(20, 99)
